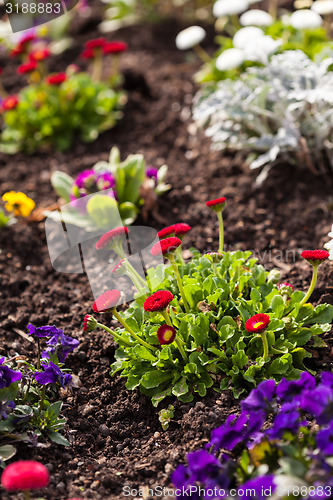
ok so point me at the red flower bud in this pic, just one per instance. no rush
(95, 44)
(115, 47)
(166, 247)
(315, 257)
(257, 323)
(166, 232)
(158, 301)
(108, 300)
(25, 475)
(217, 205)
(118, 232)
(10, 103)
(57, 79)
(166, 334)
(181, 229)
(89, 323)
(27, 67)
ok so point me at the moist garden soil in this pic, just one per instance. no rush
(116, 438)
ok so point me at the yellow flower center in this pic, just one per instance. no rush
(258, 325)
(168, 334)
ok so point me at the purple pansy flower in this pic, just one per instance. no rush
(288, 419)
(260, 398)
(319, 402)
(43, 331)
(263, 486)
(66, 345)
(325, 440)
(5, 408)
(151, 173)
(229, 434)
(7, 376)
(105, 180)
(289, 390)
(52, 374)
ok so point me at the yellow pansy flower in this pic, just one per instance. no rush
(19, 203)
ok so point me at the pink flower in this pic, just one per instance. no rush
(25, 475)
(108, 300)
(166, 247)
(258, 323)
(158, 301)
(118, 232)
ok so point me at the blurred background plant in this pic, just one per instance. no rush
(17, 204)
(129, 187)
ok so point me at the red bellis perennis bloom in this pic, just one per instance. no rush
(165, 247)
(257, 323)
(108, 300)
(40, 55)
(282, 285)
(97, 43)
(10, 103)
(181, 229)
(57, 79)
(25, 475)
(166, 232)
(111, 235)
(27, 67)
(158, 301)
(315, 257)
(115, 47)
(89, 323)
(166, 334)
(217, 205)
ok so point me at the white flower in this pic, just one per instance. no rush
(230, 59)
(259, 49)
(256, 17)
(305, 19)
(329, 245)
(246, 35)
(323, 7)
(190, 37)
(229, 7)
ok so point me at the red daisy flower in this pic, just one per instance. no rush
(27, 39)
(89, 323)
(10, 103)
(17, 51)
(257, 323)
(115, 47)
(158, 301)
(166, 334)
(217, 205)
(181, 229)
(315, 257)
(166, 247)
(108, 300)
(57, 79)
(27, 67)
(25, 475)
(40, 55)
(166, 232)
(97, 43)
(118, 232)
(88, 54)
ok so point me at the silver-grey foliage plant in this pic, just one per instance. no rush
(281, 111)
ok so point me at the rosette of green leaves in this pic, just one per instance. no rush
(50, 116)
(221, 353)
(102, 210)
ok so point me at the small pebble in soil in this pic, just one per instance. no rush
(104, 430)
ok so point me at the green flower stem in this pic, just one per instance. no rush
(202, 54)
(115, 335)
(27, 495)
(117, 247)
(135, 273)
(97, 70)
(166, 316)
(272, 8)
(221, 232)
(312, 286)
(42, 399)
(39, 353)
(265, 344)
(179, 255)
(181, 349)
(179, 281)
(130, 331)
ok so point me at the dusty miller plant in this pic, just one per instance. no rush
(273, 113)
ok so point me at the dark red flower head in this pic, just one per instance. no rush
(158, 301)
(315, 257)
(257, 323)
(27, 67)
(115, 47)
(166, 334)
(25, 475)
(89, 323)
(166, 247)
(166, 232)
(181, 229)
(57, 79)
(118, 232)
(40, 55)
(108, 300)
(87, 54)
(97, 43)
(119, 268)
(217, 205)
(10, 103)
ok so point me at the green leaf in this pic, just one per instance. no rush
(58, 438)
(240, 359)
(128, 212)
(7, 452)
(143, 353)
(104, 211)
(155, 378)
(62, 184)
(277, 305)
(180, 388)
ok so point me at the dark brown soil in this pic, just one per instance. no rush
(115, 434)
